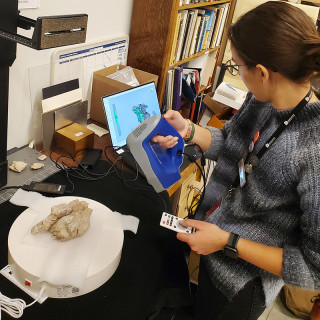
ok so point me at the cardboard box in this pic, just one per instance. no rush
(214, 105)
(74, 138)
(103, 86)
(222, 112)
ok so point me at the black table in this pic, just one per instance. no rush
(152, 275)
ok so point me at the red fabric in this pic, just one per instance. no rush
(213, 208)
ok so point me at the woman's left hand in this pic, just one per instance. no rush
(207, 239)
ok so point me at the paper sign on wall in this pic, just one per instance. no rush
(80, 61)
(28, 4)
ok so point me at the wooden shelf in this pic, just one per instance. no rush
(202, 4)
(152, 34)
(196, 55)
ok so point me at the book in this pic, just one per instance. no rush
(213, 23)
(201, 26)
(175, 37)
(188, 89)
(210, 15)
(182, 32)
(171, 88)
(190, 33)
(222, 23)
(194, 37)
(168, 92)
(177, 88)
(194, 75)
(203, 32)
(200, 29)
(202, 20)
(184, 41)
(229, 95)
(216, 28)
(197, 109)
(193, 106)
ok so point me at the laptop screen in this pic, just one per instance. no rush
(127, 109)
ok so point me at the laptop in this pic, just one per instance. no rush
(124, 111)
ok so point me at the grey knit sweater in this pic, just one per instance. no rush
(280, 203)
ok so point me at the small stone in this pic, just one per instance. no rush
(42, 157)
(18, 166)
(37, 165)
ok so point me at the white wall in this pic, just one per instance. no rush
(106, 18)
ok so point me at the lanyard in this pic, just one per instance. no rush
(253, 160)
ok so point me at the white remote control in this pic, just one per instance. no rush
(173, 223)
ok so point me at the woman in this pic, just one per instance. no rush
(271, 221)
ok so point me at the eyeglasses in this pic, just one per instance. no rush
(232, 67)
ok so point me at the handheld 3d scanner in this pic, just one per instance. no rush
(160, 165)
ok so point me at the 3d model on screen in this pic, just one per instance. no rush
(141, 112)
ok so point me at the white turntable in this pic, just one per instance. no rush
(65, 269)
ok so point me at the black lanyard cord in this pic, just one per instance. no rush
(284, 124)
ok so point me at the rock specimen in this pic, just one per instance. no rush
(37, 165)
(66, 221)
(17, 166)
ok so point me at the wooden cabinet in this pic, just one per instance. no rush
(152, 37)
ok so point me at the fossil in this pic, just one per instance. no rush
(66, 220)
(37, 165)
(17, 166)
(42, 157)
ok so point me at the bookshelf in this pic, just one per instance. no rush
(153, 35)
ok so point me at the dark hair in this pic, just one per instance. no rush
(281, 37)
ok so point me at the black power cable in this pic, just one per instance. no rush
(193, 159)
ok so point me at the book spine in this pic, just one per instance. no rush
(203, 33)
(168, 90)
(199, 34)
(194, 38)
(177, 88)
(175, 36)
(222, 23)
(216, 28)
(213, 22)
(171, 89)
(190, 33)
(182, 35)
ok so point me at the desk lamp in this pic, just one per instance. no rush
(49, 32)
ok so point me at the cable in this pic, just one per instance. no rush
(193, 159)
(125, 181)
(79, 172)
(85, 174)
(203, 160)
(9, 187)
(15, 307)
(138, 189)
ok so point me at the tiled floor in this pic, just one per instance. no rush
(277, 312)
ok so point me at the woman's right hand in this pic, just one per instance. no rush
(179, 123)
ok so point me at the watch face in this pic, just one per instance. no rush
(230, 252)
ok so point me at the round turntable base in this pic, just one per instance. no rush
(28, 260)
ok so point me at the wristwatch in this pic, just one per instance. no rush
(230, 249)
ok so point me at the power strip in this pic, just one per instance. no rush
(6, 272)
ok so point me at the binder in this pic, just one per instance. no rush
(177, 88)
